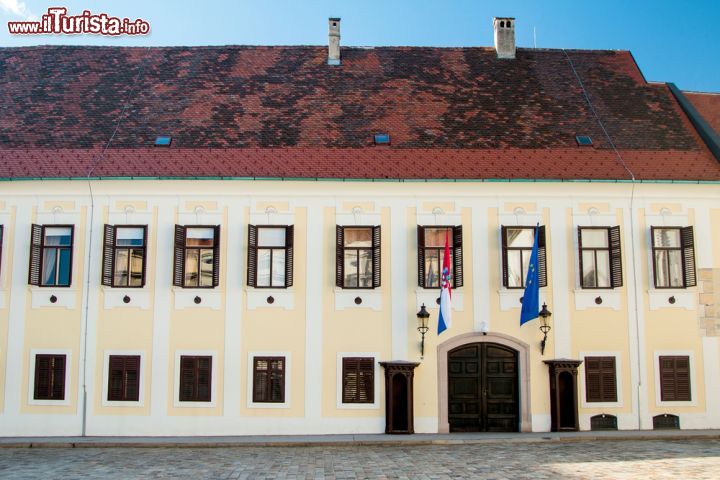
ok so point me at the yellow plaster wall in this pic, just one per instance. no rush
(6, 276)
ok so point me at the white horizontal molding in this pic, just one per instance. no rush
(430, 298)
(258, 298)
(429, 219)
(41, 296)
(598, 220)
(185, 298)
(672, 220)
(134, 218)
(361, 219)
(60, 218)
(115, 298)
(524, 220)
(684, 298)
(190, 219)
(272, 218)
(585, 299)
(345, 299)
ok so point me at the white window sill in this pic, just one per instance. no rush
(586, 299)
(430, 297)
(115, 298)
(42, 297)
(186, 298)
(345, 299)
(510, 298)
(662, 297)
(260, 298)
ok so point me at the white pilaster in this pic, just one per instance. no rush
(560, 286)
(480, 270)
(399, 281)
(315, 276)
(161, 314)
(235, 267)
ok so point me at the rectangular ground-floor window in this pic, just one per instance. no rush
(675, 378)
(358, 380)
(195, 378)
(124, 378)
(49, 377)
(268, 380)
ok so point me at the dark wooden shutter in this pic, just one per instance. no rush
(36, 238)
(503, 231)
(542, 258)
(179, 264)
(457, 279)
(57, 373)
(252, 256)
(42, 377)
(339, 256)
(145, 254)
(108, 266)
(204, 379)
(269, 379)
(600, 379)
(675, 379)
(421, 255)
(276, 387)
(187, 379)
(580, 255)
(289, 254)
(216, 257)
(132, 378)
(376, 252)
(358, 380)
(115, 378)
(688, 252)
(616, 273)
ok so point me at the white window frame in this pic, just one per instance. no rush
(251, 379)
(618, 379)
(339, 382)
(693, 380)
(213, 379)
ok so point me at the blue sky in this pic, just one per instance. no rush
(675, 41)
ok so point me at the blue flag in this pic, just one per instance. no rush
(531, 297)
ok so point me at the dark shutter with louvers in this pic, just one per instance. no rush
(358, 380)
(269, 379)
(289, 242)
(179, 264)
(132, 378)
(124, 378)
(49, 377)
(421, 255)
(36, 236)
(542, 258)
(115, 378)
(339, 256)
(688, 252)
(457, 280)
(675, 379)
(108, 266)
(616, 274)
(376, 255)
(216, 257)
(600, 383)
(195, 379)
(504, 256)
(252, 256)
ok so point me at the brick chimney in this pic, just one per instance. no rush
(504, 36)
(334, 41)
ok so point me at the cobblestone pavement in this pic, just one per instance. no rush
(651, 459)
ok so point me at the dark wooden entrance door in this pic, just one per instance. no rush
(483, 388)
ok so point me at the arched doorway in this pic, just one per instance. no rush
(483, 384)
(483, 388)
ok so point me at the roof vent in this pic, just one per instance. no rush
(163, 141)
(382, 139)
(504, 36)
(583, 140)
(333, 41)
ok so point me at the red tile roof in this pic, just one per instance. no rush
(282, 112)
(708, 104)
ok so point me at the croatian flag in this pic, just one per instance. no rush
(445, 318)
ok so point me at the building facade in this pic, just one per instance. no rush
(248, 272)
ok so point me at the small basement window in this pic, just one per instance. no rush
(382, 139)
(163, 141)
(583, 140)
